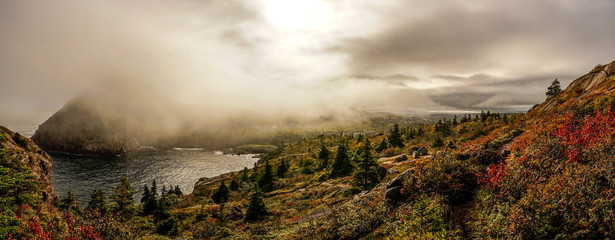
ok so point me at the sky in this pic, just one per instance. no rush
(302, 58)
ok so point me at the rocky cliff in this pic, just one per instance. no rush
(18, 148)
(113, 119)
(77, 129)
(600, 81)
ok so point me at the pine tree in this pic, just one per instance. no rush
(383, 145)
(163, 209)
(324, 152)
(282, 169)
(266, 180)
(341, 165)
(154, 190)
(123, 196)
(554, 89)
(257, 210)
(366, 176)
(221, 194)
(244, 177)
(437, 142)
(163, 191)
(149, 201)
(69, 202)
(144, 198)
(395, 137)
(177, 190)
(146, 195)
(98, 201)
(234, 186)
(455, 120)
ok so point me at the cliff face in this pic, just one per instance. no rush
(25, 151)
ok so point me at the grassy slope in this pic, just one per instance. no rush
(548, 174)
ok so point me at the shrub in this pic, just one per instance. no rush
(20, 140)
(168, 227)
(454, 180)
(389, 152)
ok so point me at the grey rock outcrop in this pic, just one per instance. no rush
(393, 187)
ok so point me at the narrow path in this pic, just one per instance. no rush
(462, 219)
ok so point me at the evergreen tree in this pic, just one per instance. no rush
(149, 199)
(437, 142)
(282, 169)
(324, 152)
(123, 196)
(257, 210)
(234, 186)
(177, 190)
(366, 175)
(455, 120)
(395, 137)
(220, 195)
(383, 145)
(163, 191)
(244, 177)
(266, 180)
(69, 202)
(341, 165)
(146, 195)
(554, 89)
(163, 209)
(154, 190)
(360, 138)
(98, 201)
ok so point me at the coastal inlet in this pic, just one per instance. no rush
(178, 166)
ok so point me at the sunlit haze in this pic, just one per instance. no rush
(301, 58)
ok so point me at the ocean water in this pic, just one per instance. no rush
(179, 166)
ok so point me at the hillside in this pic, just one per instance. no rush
(25, 179)
(19, 152)
(547, 174)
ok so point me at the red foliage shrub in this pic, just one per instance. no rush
(579, 136)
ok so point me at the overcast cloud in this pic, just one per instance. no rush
(298, 57)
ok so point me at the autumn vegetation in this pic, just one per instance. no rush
(546, 174)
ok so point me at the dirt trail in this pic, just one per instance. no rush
(462, 219)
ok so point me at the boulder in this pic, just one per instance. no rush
(382, 171)
(393, 194)
(392, 171)
(402, 157)
(399, 180)
(415, 154)
(422, 151)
